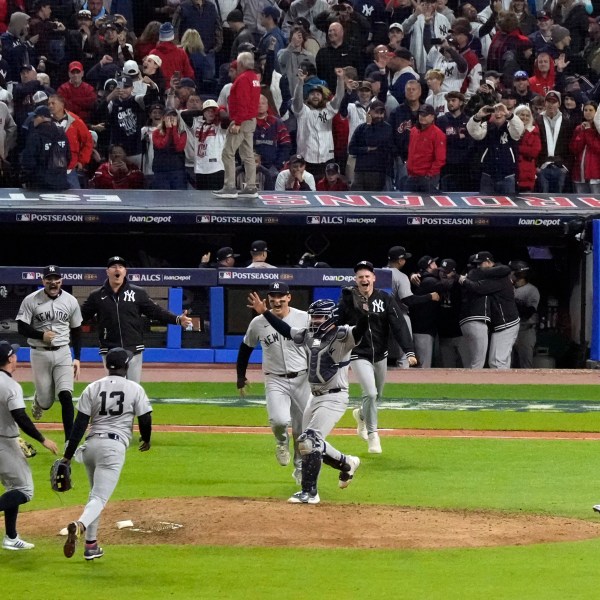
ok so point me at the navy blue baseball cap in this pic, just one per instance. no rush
(364, 264)
(116, 260)
(7, 350)
(118, 358)
(52, 270)
(278, 287)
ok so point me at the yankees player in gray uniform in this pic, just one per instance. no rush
(110, 405)
(15, 473)
(328, 347)
(50, 318)
(527, 297)
(119, 308)
(286, 375)
(369, 358)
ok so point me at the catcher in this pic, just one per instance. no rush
(15, 473)
(110, 405)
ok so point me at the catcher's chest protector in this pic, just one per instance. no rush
(322, 368)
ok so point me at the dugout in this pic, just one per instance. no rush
(161, 231)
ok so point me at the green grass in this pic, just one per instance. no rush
(548, 477)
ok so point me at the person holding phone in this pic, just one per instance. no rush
(169, 156)
(501, 132)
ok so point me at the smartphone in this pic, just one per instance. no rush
(119, 85)
(437, 41)
(177, 74)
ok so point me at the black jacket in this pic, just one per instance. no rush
(384, 315)
(500, 294)
(424, 317)
(120, 316)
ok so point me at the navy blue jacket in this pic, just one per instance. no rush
(402, 120)
(458, 150)
(378, 136)
(202, 18)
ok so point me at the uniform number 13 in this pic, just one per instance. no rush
(118, 410)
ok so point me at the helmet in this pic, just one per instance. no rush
(518, 266)
(326, 313)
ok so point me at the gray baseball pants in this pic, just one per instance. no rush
(52, 373)
(453, 354)
(372, 379)
(15, 473)
(501, 345)
(103, 459)
(475, 334)
(322, 414)
(423, 349)
(524, 347)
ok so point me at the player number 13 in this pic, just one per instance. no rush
(117, 409)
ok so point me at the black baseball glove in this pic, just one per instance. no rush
(60, 475)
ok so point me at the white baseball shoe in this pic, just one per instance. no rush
(374, 443)
(304, 498)
(346, 476)
(361, 426)
(596, 508)
(282, 453)
(16, 544)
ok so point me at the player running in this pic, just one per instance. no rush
(50, 319)
(286, 375)
(328, 346)
(110, 404)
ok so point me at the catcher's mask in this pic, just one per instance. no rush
(323, 317)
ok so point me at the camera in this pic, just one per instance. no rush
(437, 41)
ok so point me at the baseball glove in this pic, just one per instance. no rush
(28, 450)
(352, 295)
(60, 476)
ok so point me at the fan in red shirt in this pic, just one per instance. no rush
(332, 182)
(80, 97)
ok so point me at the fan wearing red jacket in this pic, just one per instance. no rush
(585, 145)
(426, 153)
(243, 110)
(169, 143)
(173, 57)
(530, 146)
(117, 173)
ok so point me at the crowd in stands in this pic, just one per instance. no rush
(493, 96)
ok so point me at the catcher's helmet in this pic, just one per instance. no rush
(323, 316)
(518, 266)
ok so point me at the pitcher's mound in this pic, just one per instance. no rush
(265, 522)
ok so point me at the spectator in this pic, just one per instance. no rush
(46, 154)
(445, 58)
(396, 34)
(402, 119)
(521, 89)
(117, 173)
(152, 73)
(530, 145)
(258, 252)
(572, 109)
(459, 145)
(314, 134)
(147, 40)
(78, 136)
(126, 118)
(202, 62)
(461, 33)
(295, 177)
(79, 96)
(527, 21)
(242, 35)
(337, 54)
(573, 16)
(155, 112)
(554, 160)
(180, 92)
(50, 35)
(23, 93)
(332, 182)
(200, 16)
(543, 36)
(291, 58)
(426, 153)
(243, 109)
(544, 77)
(424, 25)
(371, 143)
(174, 59)
(168, 165)
(79, 41)
(308, 9)
(400, 73)
(17, 51)
(271, 141)
(8, 140)
(437, 96)
(585, 145)
(269, 20)
(499, 132)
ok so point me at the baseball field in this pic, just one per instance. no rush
(483, 490)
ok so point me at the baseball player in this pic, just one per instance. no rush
(369, 358)
(110, 405)
(286, 374)
(119, 307)
(491, 290)
(49, 318)
(328, 347)
(527, 297)
(15, 473)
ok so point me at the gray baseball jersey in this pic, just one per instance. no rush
(43, 313)
(280, 355)
(112, 403)
(528, 295)
(11, 397)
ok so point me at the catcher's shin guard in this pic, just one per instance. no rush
(340, 465)
(311, 449)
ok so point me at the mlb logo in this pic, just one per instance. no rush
(202, 218)
(313, 220)
(135, 277)
(28, 275)
(224, 274)
(23, 217)
(413, 220)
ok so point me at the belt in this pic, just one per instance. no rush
(110, 436)
(288, 375)
(48, 348)
(332, 391)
